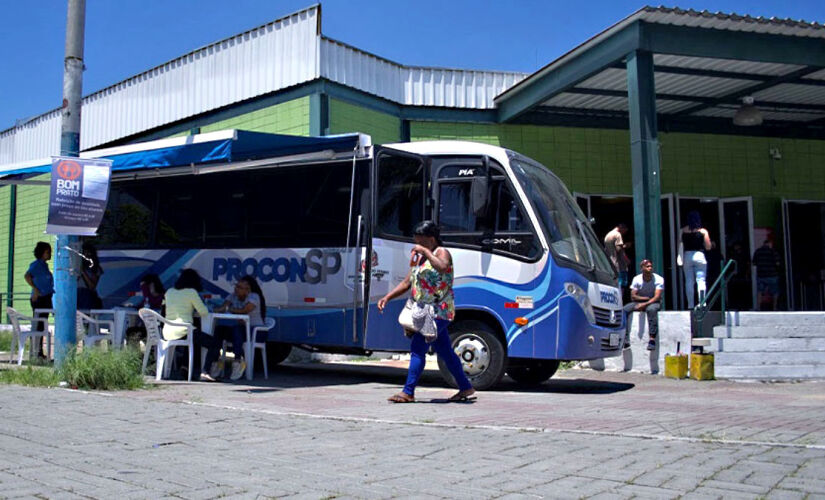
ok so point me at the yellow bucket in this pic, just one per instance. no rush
(701, 366)
(676, 365)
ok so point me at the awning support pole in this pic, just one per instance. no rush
(644, 155)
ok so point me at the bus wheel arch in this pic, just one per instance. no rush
(277, 352)
(478, 339)
(532, 372)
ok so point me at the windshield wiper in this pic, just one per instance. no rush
(586, 244)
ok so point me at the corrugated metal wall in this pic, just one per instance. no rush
(412, 86)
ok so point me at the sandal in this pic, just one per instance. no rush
(463, 396)
(401, 397)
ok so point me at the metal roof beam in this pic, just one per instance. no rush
(553, 80)
(617, 119)
(727, 44)
(704, 101)
(713, 73)
(734, 96)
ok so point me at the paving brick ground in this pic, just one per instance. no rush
(323, 431)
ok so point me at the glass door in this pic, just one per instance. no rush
(786, 233)
(804, 224)
(736, 242)
(669, 268)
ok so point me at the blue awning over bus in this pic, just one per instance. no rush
(227, 146)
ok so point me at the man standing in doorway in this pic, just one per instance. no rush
(645, 296)
(614, 246)
(766, 260)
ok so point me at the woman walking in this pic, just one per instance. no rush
(695, 241)
(431, 280)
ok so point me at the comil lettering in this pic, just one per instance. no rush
(67, 188)
(314, 268)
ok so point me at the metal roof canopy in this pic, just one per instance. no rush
(678, 70)
(704, 64)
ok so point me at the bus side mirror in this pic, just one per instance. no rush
(479, 196)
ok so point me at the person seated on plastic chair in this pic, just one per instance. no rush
(246, 299)
(646, 296)
(181, 302)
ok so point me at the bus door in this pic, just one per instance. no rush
(401, 199)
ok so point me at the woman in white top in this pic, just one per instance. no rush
(181, 303)
(246, 299)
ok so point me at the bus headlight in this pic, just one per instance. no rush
(582, 300)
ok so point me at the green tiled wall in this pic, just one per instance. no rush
(345, 117)
(290, 117)
(32, 211)
(598, 161)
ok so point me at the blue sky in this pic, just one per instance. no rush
(125, 37)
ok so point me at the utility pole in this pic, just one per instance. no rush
(65, 282)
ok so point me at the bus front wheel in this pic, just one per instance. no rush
(533, 371)
(481, 353)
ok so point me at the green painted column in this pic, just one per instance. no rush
(318, 114)
(644, 156)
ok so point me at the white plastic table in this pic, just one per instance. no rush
(120, 315)
(208, 327)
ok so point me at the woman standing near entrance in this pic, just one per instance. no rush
(694, 241)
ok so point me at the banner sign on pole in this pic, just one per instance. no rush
(79, 193)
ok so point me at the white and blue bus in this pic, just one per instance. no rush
(327, 233)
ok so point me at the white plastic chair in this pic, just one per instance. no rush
(89, 330)
(268, 325)
(20, 337)
(164, 348)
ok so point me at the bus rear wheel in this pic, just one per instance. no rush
(277, 352)
(533, 371)
(481, 354)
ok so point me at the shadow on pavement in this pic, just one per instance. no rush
(290, 376)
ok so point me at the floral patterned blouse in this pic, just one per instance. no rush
(432, 287)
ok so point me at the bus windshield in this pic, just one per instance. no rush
(570, 236)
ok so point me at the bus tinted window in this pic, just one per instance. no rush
(299, 207)
(454, 207)
(128, 218)
(400, 194)
(505, 228)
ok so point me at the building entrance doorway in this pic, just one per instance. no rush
(607, 211)
(804, 233)
(728, 220)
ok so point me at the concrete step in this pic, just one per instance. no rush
(769, 331)
(749, 318)
(770, 372)
(766, 344)
(791, 358)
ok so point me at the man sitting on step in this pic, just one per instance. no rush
(645, 295)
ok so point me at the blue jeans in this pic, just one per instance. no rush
(235, 332)
(444, 350)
